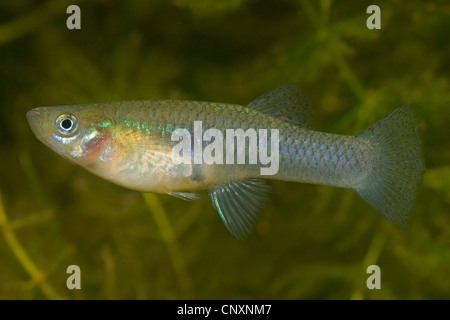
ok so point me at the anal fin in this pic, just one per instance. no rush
(239, 203)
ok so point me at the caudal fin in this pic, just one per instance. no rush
(393, 191)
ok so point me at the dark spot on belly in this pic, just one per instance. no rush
(197, 174)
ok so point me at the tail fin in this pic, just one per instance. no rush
(393, 191)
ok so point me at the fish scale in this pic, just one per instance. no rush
(315, 157)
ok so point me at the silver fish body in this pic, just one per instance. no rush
(130, 143)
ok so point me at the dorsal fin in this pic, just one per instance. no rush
(285, 102)
(239, 203)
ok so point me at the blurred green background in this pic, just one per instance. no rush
(312, 241)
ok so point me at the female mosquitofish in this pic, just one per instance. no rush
(133, 143)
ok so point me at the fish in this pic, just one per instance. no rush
(131, 143)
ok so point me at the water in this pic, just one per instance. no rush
(312, 241)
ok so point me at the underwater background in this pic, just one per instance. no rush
(312, 242)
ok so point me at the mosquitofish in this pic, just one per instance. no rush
(131, 143)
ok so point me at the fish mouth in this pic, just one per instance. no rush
(32, 115)
(37, 120)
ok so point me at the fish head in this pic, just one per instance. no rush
(73, 132)
(101, 139)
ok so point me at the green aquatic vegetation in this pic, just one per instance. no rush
(37, 276)
(312, 241)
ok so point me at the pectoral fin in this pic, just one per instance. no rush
(188, 196)
(239, 204)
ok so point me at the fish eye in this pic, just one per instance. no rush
(66, 124)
